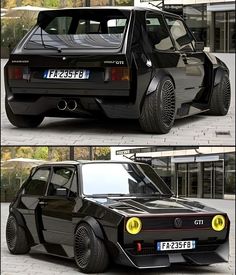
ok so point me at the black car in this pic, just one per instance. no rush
(121, 63)
(99, 212)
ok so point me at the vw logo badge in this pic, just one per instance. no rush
(178, 223)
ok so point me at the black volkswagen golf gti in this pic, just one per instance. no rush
(120, 63)
(99, 212)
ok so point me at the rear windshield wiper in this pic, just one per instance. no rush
(48, 46)
(45, 46)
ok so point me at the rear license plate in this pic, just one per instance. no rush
(66, 74)
(175, 245)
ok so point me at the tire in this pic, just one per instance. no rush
(158, 112)
(221, 96)
(22, 121)
(90, 252)
(17, 241)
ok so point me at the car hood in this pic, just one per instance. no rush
(151, 206)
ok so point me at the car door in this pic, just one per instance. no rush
(165, 57)
(34, 189)
(57, 206)
(193, 60)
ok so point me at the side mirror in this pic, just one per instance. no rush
(60, 191)
(199, 46)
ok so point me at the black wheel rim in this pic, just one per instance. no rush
(11, 233)
(167, 103)
(226, 92)
(82, 247)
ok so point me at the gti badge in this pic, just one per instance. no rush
(178, 223)
(198, 222)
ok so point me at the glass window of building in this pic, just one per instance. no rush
(195, 17)
(229, 173)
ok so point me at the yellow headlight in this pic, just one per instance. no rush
(218, 223)
(133, 225)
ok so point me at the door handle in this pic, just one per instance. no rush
(43, 203)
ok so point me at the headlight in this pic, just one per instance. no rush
(218, 223)
(133, 225)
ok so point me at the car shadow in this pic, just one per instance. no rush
(115, 269)
(104, 126)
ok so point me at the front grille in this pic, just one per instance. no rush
(167, 223)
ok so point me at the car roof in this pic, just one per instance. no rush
(80, 162)
(128, 8)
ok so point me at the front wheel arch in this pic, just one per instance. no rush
(94, 225)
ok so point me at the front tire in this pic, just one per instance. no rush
(22, 121)
(90, 252)
(17, 240)
(158, 112)
(221, 96)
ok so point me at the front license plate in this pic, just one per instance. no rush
(66, 74)
(175, 245)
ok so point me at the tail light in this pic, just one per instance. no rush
(120, 73)
(18, 73)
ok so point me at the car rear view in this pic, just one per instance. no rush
(71, 64)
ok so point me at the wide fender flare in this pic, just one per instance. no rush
(94, 225)
(156, 80)
(18, 216)
(218, 74)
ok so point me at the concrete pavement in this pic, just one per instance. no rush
(196, 130)
(39, 264)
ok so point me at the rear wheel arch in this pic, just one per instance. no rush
(156, 80)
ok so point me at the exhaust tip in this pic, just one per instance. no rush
(62, 105)
(72, 105)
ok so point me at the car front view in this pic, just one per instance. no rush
(156, 228)
(99, 212)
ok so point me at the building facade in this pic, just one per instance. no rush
(203, 172)
(211, 21)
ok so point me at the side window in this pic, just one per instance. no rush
(38, 183)
(61, 180)
(181, 36)
(158, 33)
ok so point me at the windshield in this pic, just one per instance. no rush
(82, 29)
(129, 179)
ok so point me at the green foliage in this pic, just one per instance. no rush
(41, 153)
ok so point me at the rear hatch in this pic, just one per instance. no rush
(84, 50)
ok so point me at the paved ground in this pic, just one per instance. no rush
(197, 130)
(38, 264)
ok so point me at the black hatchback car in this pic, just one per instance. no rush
(98, 212)
(121, 63)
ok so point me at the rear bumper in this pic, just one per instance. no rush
(219, 255)
(88, 106)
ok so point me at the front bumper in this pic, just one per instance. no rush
(198, 257)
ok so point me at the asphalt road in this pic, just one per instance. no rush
(196, 130)
(39, 264)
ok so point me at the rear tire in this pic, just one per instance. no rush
(220, 100)
(17, 241)
(158, 112)
(22, 121)
(90, 252)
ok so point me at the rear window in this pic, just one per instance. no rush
(82, 29)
